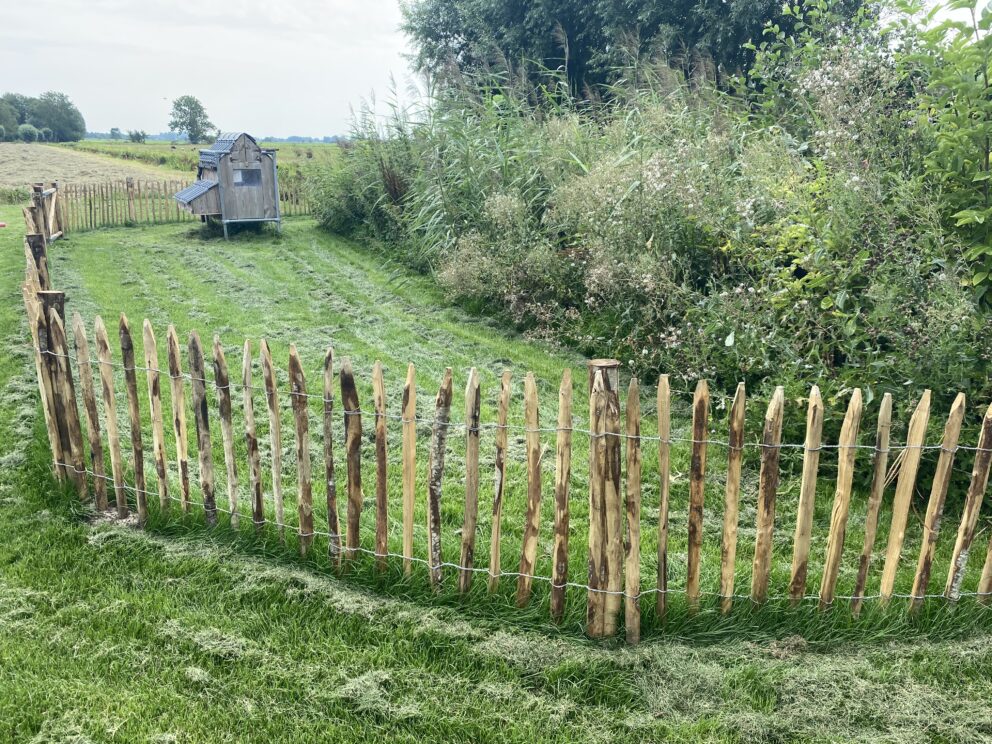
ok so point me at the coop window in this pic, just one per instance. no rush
(247, 177)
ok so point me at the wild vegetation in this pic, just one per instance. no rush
(815, 220)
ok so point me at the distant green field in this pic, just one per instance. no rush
(294, 159)
(182, 634)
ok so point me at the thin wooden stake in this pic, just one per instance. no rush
(69, 407)
(613, 500)
(697, 489)
(563, 473)
(155, 408)
(381, 485)
(632, 558)
(502, 412)
(473, 405)
(179, 415)
(251, 443)
(915, 437)
(731, 511)
(353, 456)
(439, 438)
(92, 414)
(275, 433)
(39, 335)
(664, 473)
(972, 506)
(201, 416)
(110, 415)
(134, 416)
(596, 599)
(532, 524)
(879, 469)
(767, 488)
(409, 417)
(333, 524)
(846, 454)
(807, 497)
(938, 495)
(304, 480)
(223, 382)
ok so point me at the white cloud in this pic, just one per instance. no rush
(270, 67)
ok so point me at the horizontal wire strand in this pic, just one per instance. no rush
(543, 430)
(516, 574)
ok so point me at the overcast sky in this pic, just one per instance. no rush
(268, 67)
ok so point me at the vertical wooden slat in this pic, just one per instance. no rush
(381, 485)
(879, 471)
(771, 439)
(155, 409)
(473, 406)
(179, 415)
(731, 501)
(110, 415)
(532, 523)
(563, 473)
(223, 381)
(69, 406)
(409, 419)
(915, 438)
(502, 412)
(807, 496)
(275, 433)
(938, 495)
(985, 582)
(134, 415)
(46, 361)
(972, 506)
(846, 454)
(613, 500)
(92, 414)
(439, 438)
(353, 455)
(596, 600)
(304, 480)
(251, 443)
(664, 475)
(697, 486)
(201, 416)
(333, 524)
(632, 558)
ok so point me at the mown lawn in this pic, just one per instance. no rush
(182, 634)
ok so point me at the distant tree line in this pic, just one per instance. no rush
(51, 117)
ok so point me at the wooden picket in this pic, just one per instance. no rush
(619, 492)
(64, 208)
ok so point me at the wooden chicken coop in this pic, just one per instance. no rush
(236, 182)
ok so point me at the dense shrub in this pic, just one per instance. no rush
(787, 235)
(27, 133)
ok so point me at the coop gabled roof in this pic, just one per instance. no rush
(223, 145)
(194, 191)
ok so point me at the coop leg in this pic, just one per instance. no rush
(225, 231)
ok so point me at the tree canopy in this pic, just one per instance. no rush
(190, 117)
(50, 111)
(588, 39)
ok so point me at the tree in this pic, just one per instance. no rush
(8, 117)
(115, 133)
(189, 117)
(137, 135)
(27, 133)
(20, 104)
(588, 39)
(55, 111)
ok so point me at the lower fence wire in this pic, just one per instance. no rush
(515, 574)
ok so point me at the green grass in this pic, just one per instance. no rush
(183, 634)
(294, 158)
